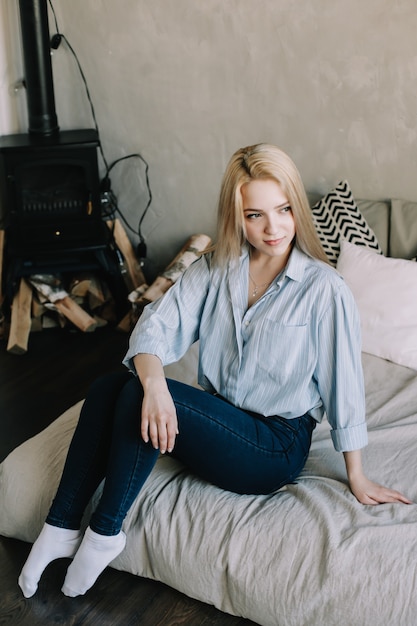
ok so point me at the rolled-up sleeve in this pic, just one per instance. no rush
(339, 372)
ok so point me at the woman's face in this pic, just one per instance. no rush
(268, 218)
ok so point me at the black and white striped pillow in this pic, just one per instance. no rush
(336, 216)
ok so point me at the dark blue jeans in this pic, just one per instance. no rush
(233, 449)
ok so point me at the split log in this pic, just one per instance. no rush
(20, 320)
(193, 248)
(79, 286)
(38, 307)
(38, 311)
(89, 289)
(98, 295)
(50, 287)
(94, 295)
(135, 276)
(52, 317)
(76, 314)
(187, 255)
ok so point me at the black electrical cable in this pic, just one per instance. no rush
(105, 183)
(93, 113)
(55, 42)
(106, 178)
(54, 14)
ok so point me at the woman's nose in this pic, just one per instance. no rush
(272, 225)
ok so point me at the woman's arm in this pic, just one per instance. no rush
(170, 325)
(364, 490)
(159, 417)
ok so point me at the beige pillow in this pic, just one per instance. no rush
(385, 291)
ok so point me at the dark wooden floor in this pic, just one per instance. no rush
(35, 389)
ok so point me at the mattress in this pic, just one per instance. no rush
(308, 554)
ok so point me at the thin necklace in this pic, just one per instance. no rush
(257, 287)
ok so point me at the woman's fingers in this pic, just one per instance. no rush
(373, 493)
(160, 429)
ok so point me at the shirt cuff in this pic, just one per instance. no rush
(144, 347)
(347, 439)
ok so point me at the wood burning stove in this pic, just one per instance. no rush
(50, 181)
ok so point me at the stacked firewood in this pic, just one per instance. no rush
(46, 300)
(83, 301)
(144, 294)
(42, 301)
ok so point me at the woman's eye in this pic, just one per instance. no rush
(251, 216)
(286, 209)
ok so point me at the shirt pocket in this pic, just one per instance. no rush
(286, 350)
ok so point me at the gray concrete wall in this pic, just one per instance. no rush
(186, 82)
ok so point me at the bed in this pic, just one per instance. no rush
(308, 554)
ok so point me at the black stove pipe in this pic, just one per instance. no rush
(34, 25)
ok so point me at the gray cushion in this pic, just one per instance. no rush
(377, 215)
(403, 229)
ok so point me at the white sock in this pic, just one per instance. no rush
(93, 556)
(52, 543)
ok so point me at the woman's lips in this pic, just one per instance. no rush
(274, 242)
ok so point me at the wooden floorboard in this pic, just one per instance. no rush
(35, 388)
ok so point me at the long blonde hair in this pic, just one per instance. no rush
(257, 162)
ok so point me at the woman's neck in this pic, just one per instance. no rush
(262, 272)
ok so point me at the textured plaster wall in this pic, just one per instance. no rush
(186, 82)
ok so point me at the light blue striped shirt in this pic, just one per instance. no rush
(297, 350)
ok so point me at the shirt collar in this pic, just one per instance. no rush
(296, 265)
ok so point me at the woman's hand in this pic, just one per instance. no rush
(365, 490)
(159, 417)
(368, 492)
